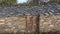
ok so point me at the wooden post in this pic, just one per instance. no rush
(29, 24)
(32, 23)
(37, 23)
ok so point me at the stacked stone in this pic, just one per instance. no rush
(14, 22)
(32, 10)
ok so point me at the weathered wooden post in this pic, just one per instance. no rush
(28, 23)
(32, 23)
(37, 23)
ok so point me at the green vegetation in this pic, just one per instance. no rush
(7, 2)
(54, 1)
(23, 4)
(36, 2)
(33, 2)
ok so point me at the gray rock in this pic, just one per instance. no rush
(32, 10)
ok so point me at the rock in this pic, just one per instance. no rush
(7, 11)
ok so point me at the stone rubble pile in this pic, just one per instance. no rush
(32, 10)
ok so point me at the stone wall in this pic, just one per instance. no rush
(50, 23)
(12, 24)
(18, 24)
(30, 24)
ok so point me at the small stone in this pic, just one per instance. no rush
(9, 24)
(2, 23)
(51, 26)
(6, 29)
(42, 20)
(22, 31)
(2, 20)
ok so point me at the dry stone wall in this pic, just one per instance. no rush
(18, 24)
(12, 24)
(50, 23)
(30, 24)
(30, 18)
